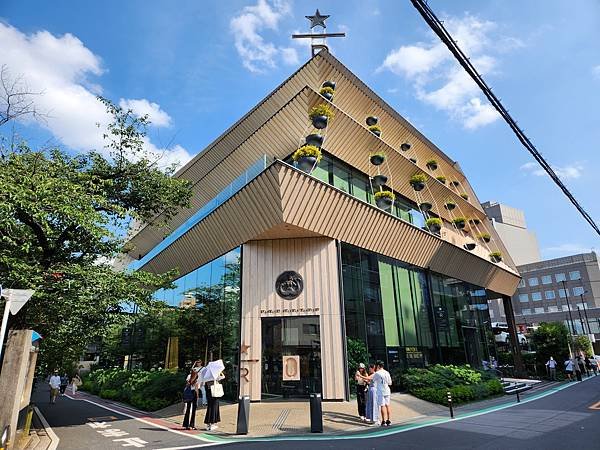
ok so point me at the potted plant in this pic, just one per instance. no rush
(314, 139)
(377, 158)
(425, 206)
(474, 221)
(449, 205)
(329, 84)
(327, 92)
(379, 180)
(384, 199)
(496, 257)
(405, 147)
(307, 157)
(376, 130)
(434, 224)
(459, 222)
(417, 181)
(432, 164)
(413, 160)
(320, 115)
(485, 237)
(470, 246)
(465, 196)
(372, 120)
(441, 179)
(455, 183)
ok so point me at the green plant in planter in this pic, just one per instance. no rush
(459, 222)
(496, 256)
(307, 151)
(322, 109)
(432, 164)
(484, 237)
(385, 194)
(375, 129)
(441, 179)
(434, 223)
(465, 196)
(418, 178)
(449, 205)
(326, 90)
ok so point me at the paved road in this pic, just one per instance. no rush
(559, 421)
(82, 425)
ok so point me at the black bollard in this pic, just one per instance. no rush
(316, 414)
(243, 415)
(449, 394)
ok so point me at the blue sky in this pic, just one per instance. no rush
(196, 67)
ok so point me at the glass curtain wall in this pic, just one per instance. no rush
(391, 309)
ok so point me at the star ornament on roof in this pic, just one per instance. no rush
(317, 20)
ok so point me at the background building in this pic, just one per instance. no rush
(510, 225)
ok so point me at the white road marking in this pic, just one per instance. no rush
(53, 437)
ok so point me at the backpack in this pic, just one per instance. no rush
(188, 394)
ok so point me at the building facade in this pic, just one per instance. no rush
(510, 225)
(297, 265)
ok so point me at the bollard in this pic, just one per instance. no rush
(450, 404)
(316, 414)
(518, 397)
(243, 415)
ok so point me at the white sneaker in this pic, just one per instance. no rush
(214, 427)
(208, 428)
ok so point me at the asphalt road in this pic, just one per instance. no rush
(560, 421)
(83, 425)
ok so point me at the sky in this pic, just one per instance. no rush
(197, 67)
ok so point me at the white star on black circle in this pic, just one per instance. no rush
(317, 19)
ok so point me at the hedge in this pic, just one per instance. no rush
(143, 389)
(461, 393)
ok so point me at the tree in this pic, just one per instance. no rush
(64, 217)
(583, 344)
(550, 339)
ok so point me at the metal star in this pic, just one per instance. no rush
(244, 348)
(317, 19)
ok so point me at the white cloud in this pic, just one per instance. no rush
(570, 171)
(60, 68)
(566, 249)
(140, 107)
(596, 71)
(258, 54)
(439, 81)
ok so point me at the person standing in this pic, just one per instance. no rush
(551, 365)
(383, 381)
(371, 409)
(214, 391)
(577, 367)
(54, 383)
(569, 368)
(201, 388)
(75, 383)
(588, 366)
(64, 382)
(190, 398)
(361, 386)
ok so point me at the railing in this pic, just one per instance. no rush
(236, 185)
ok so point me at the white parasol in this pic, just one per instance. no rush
(212, 371)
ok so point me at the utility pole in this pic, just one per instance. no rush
(568, 306)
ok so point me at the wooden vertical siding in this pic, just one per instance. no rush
(316, 260)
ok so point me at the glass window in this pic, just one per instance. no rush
(533, 281)
(539, 310)
(565, 307)
(524, 298)
(360, 187)
(560, 277)
(341, 177)
(521, 283)
(536, 296)
(547, 279)
(562, 293)
(578, 290)
(552, 308)
(575, 275)
(526, 311)
(491, 313)
(550, 295)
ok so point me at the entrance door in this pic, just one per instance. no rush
(473, 349)
(291, 336)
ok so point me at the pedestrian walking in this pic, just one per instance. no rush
(371, 409)
(211, 375)
(383, 381)
(578, 367)
(190, 399)
(197, 367)
(54, 383)
(551, 366)
(569, 366)
(361, 390)
(64, 382)
(594, 365)
(75, 383)
(588, 366)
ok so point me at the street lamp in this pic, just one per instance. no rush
(568, 306)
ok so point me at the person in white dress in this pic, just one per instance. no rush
(382, 381)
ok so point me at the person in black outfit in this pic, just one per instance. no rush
(190, 398)
(361, 390)
(213, 415)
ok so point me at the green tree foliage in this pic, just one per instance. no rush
(583, 344)
(550, 339)
(64, 217)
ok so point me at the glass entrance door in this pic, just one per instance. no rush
(291, 377)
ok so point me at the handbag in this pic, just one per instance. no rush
(216, 390)
(188, 394)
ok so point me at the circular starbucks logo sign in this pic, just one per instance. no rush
(289, 285)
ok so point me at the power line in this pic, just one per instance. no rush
(436, 25)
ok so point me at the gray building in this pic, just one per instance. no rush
(550, 288)
(509, 222)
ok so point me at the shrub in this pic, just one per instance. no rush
(375, 128)
(322, 109)
(465, 196)
(418, 178)
(496, 255)
(381, 194)
(484, 236)
(431, 163)
(441, 179)
(307, 150)
(433, 221)
(459, 220)
(326, 90)
(110, 394)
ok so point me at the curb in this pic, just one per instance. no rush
(54, 440)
